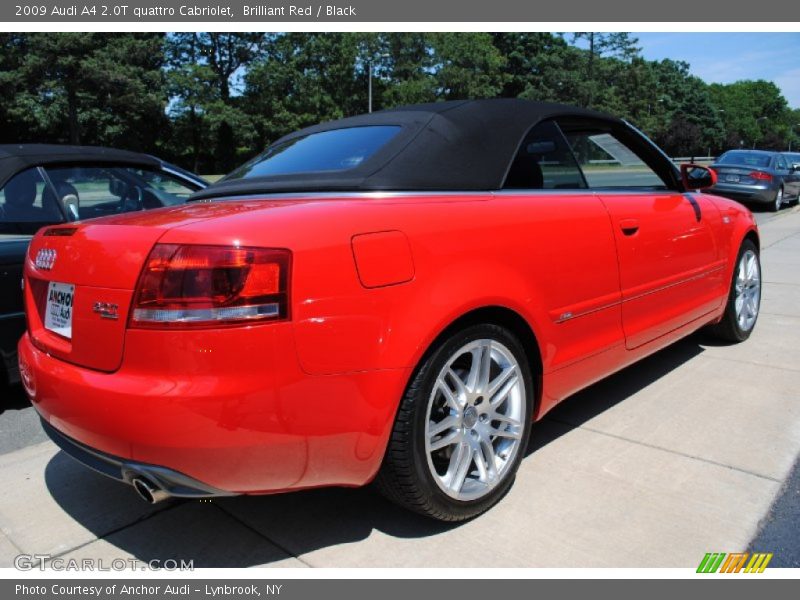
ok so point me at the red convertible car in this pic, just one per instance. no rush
(393, 297)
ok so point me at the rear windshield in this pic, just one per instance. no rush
(750, 159)
(336, 150)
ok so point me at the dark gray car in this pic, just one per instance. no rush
(46, 184)
(768, 179)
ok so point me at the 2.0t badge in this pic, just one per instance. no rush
(107, 310)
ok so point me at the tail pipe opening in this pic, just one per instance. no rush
(148, 491)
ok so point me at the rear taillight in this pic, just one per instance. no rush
(191, 286)
(760, 176)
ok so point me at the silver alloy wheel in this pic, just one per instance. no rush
(474, 420)
(779, 199)
(748, 290)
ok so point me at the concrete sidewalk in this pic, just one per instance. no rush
(676, 456)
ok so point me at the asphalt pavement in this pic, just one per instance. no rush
(19, 425)
(693, 450)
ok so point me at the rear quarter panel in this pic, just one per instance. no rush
(541, 255)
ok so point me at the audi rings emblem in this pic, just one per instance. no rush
(45, 259)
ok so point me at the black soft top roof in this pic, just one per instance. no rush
(15, 158)
(455, 145)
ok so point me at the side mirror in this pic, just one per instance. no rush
(695, 177)
(795, 167)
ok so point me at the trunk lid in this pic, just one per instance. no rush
(735, 175)
(79, 292)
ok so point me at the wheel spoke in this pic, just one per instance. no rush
(437, 428)
(449, 398)
(502, 431)
(739, 303)
(480, 463)
(479, 369)
(752, 306)
(486, 367)
(751, 268)
(487, 452)
(500, 380)
(498, 398)
(447, 440)
(505, 419)
(461, 389)
(459, 467)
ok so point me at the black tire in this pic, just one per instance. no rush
(728, 328)
(776, 204)
(404, 476)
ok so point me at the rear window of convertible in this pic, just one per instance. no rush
(335, 150)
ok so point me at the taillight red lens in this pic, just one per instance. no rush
(761, 176)
(193, 285)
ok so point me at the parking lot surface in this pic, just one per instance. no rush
(690, 451)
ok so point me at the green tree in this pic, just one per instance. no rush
(754, 112)
(404, 73)
(620, 45)
(466, 65)
(91, 88)
(793, 130)
(304, 78)
(693, 124)
(204, 72)
(540, 66)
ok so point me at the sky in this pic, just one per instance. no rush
(729, 57)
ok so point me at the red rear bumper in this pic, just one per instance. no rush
(230, 408)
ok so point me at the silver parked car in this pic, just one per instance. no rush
(757, 176)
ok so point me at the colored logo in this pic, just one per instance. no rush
(720, 562)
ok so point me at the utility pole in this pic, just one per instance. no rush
(369, 79)
(791, 134)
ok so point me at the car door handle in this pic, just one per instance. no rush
(629, 226)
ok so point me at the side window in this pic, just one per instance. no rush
(782, 163)
(167, 189)
(94, 191)
(544, 162)
(25, 199)
(608, 163)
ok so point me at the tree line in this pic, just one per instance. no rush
(210, 101)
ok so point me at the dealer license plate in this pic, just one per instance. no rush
(58, 314)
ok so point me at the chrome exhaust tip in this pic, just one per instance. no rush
(149, 492)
